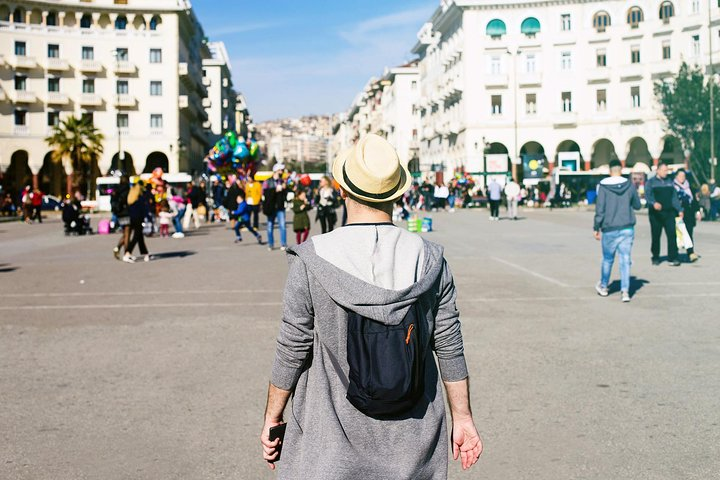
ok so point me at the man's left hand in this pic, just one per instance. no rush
(270, 449)
(596, 234)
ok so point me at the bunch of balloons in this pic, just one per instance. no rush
(231, 153)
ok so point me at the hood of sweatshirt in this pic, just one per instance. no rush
(616, 185)
(354, 294)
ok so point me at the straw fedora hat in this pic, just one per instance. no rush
(372, 171)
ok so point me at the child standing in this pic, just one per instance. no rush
(301, 220)
(242, 213)
(166, 216)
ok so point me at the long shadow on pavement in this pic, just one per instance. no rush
(636, 284)
(178, 254)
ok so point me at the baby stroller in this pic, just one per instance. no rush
(75, 222)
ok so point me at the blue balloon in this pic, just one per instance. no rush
(241, 151)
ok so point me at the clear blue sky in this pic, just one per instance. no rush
(292, 58)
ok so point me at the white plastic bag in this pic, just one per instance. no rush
(682, 235)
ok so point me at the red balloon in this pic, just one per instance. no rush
(305, 180)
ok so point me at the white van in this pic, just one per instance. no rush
(105, 186)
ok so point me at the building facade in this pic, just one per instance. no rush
(400, 115)
(570, 82)
(301, 141)
(133, 67)
(221, 99)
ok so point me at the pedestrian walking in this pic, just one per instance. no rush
(37, 201)
(301, 219)
(663, 206)
(253, 197)
(691, 209)
(512, 196)
(369, 297)
(326, 201)
(137, 208)
(119, 207)
(242, 213)
(192, 203)
(494, 197)
(27, 205)
(274, 197)
(614, 225)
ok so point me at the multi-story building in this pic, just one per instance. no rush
(298, 140)
(567, 81)
(243, 120)
(401, 119)
(133, 67)
(221, 99)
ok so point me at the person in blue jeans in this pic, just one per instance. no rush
(274, 197)
(614, 224)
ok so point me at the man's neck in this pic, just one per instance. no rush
(368, 218)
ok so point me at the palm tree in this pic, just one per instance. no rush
(77, 140)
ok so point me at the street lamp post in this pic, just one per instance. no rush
(516, 153)
(121, 153)
(712, 95)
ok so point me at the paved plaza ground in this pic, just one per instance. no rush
(159, 370)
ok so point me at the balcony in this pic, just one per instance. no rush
(598, 75)
(192, 77)
(125, 100)
(183, 102)
(206, 81)
(207, 125)
(632, 72)
(21, 61)
(90, 100)
(57, 98)
(3, 97)
(631, 116)
(533, 79)
(660, 70)
(21, 130)
(156, 132)
(24, 96)
(206, 102)
(123, 67)
(565, 119)
(90, 66)
(496, 81)
(57, 65)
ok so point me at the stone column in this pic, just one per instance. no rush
(35, 181)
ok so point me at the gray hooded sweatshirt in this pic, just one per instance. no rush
(327, 437)
(616, 203)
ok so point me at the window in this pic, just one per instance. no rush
(156, 120)
(413, 85)
(20, 49)
(19, 15)
(122, 54)
(565, 22)
(667, 11)
(530, 104)
(565, 61)
(86, 21)
(155, 55)
(566, 98)
(634, 17)
(53, 51)
(496, 104)
(123, 120)
(601, 20)
(154, 22)
(530, 63)
(122, 87)
(121, 22)
(88, 117)
(696, 6)
(635, 54)
(52, 19)
(88, 53)
(53, 119)
(666, 55)
(530, 26)
(53, 84)
(88, 85)
(601, 100)
(495, 67)
(601, 58)
(496, 29)
(20, 83)
(156, 88)
(695, 51)
(635, 94)
(20, 117)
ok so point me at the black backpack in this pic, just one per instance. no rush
(387, 364)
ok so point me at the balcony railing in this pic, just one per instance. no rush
(124, 67)
(57, 65)
(206, 102)
(21, 61)
(206, 81)
(532, 79)
(25, 96)
(57, 98)
(496, 81)
(562, 119)
(3, 97)
(183, 102)
(21, 130)
(125, 100)
(90, 100)
(598, 75)
(92, 66)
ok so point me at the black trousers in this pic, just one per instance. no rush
(255, 215)
(690, 227)
(136, 228)
(495, 208)
(660, 221)
(327, 222)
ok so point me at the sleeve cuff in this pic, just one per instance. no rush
(283, 377)
(453, 369)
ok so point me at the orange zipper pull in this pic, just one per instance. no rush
(410, 329)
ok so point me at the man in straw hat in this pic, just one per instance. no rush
(365, 307)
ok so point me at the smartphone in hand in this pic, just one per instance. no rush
(278, 431)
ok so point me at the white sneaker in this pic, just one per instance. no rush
(625, 297)
(128, 258)
(283, 249)
(602, 291)
(147, 257)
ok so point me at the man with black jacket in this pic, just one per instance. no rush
(663, 206)
(119, 206)
(274, 197)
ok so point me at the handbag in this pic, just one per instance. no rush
(681, 235)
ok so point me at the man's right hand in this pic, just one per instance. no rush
(596, 234)
(657, 206)
(466, 442)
